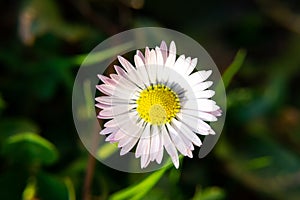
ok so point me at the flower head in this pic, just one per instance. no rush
(160, 103)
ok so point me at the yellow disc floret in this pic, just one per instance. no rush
(158, 104)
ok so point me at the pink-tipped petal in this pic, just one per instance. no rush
(140, 54)
(126, 64)
(164, 51)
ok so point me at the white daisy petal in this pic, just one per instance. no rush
(117, 110)
(115, 136)
(159, 57)
(160, 64)
(177, 140)
(106, 89)
(152, 66)
(199, 77)
(170, 147)
(195, 124)
(115, 77)
(110, 100)
(106, 131)
(120, 71)
(131, 74)
(192, 66)
(118, 121)
(141, 68)
(187, 142)
(106, 80)
(217, 113)
(155, 143)
(182, 128)
(101, 106)
(131, 142)
(143, 147)
(147, 55)
(186, 66)
(125, 63)
(201, 105)
(164, 50)
(172, 55)
(180, 64)
(201, 115)
(139, 148)
(160, 152)
(202, 86)
(204, 94)
(140, 54)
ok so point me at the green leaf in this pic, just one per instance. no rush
(12, 126)
(139, 190)
(212, 193)
(256, 165)
(30, 148)
(106, 150)
(30, 191)
(50, 187)
(234, 67)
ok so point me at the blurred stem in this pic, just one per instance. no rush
(95, 140)
(88, 177)
(86, 195)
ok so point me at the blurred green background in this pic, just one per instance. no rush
(258, 154)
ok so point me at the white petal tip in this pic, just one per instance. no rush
(190, 154)
(211, 132)
(122, 152)
(176, 162)
(209, 72)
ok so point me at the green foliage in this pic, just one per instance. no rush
(139, 190)
(50, 187)
(234, 67)
(29, 148)
(212, 193)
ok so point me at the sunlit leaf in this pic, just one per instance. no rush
(212, 193)
(139, 190)
(29, 192)
(106, 150)
(13, 126)
(29, 148)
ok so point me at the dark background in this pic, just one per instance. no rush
(258, 154)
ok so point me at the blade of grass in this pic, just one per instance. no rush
(136, 192)
(101, 55)
(234, 67)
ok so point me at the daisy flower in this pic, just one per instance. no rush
(158, 103)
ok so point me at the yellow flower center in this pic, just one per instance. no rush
(158, 104)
